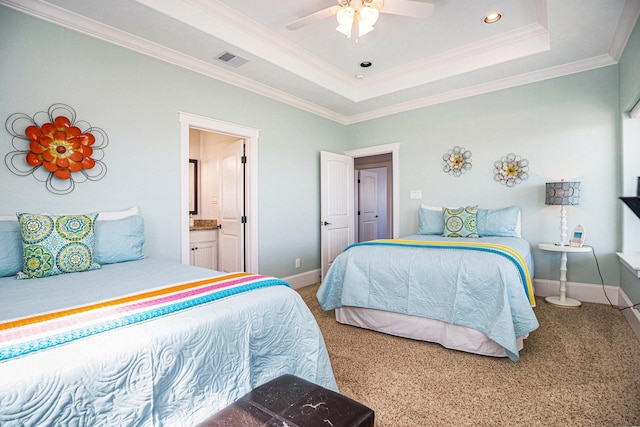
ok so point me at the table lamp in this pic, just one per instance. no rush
(563, 193)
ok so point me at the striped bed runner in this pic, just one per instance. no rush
(26, 335)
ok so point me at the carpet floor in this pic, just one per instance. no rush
(581, 367)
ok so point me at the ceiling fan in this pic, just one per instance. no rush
(364, 13)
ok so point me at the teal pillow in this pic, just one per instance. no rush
(430, 221)
(119, 240)
(56, 244)
(460, 222)
(10, 248)
(498, 222)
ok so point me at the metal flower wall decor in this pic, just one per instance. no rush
(510, 170)
(456, 161)
(55, 148)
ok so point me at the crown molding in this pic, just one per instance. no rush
(50, 13)
(629, 17)
(219, 20)
(519, 80)
(95, 29)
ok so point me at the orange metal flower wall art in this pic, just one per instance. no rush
(60, 147)
(60, 151)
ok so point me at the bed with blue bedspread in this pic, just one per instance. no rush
(470, 294)
(139, 341)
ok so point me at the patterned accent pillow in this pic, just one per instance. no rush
(460, 222)
(56, 244)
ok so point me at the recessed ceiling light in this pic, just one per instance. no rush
(492, 17)
(365, 64)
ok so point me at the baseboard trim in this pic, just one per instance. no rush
(631, 314)
(303, 279)
(581, 291)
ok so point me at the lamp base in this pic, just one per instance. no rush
(568, 302)
(563, 227)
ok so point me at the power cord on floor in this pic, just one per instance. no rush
(593, 251)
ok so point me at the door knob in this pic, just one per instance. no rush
(325, 223)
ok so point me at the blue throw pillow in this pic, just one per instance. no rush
(498, 222)
(10, 248)
(430, 221)
(119, 240)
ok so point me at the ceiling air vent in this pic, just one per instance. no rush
(231, 59)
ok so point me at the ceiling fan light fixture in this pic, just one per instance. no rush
(367, 17)
(345, 17)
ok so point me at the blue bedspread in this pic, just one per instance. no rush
(175, 370)
(476, 289)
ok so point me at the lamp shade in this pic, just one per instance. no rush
(563, 193)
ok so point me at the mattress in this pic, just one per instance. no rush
(174, 369)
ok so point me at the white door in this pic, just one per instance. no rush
(368, 206)
(231, 206)
(336, 206)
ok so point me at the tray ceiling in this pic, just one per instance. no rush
(415, 62)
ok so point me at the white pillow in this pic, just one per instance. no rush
(115, 215)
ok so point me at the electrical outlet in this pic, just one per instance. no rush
(297, 262)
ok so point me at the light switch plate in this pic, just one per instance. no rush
(416, 194)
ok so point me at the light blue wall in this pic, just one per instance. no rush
(629, 69)
(566, 127)
(136, 100)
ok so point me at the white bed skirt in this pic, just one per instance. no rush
(419, 328)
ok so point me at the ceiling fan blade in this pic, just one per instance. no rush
(314, 17)
(408, 8)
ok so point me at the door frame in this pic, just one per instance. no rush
(394, 149)
(251, 137)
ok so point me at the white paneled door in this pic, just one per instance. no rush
(368, 206)
(231, 235)
(336, 206)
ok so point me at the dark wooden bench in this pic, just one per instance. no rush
(294, 402)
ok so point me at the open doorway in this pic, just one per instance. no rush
(189, 123)
(219, 193)
(385, 156)
(373, 197)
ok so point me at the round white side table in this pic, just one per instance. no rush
(562, 299)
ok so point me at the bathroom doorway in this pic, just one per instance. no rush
(217, 134)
